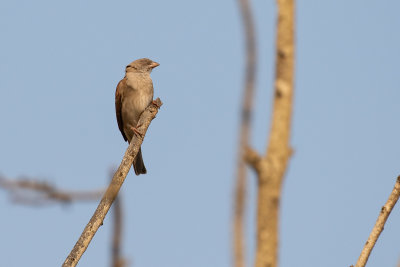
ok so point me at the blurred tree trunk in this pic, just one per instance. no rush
(271, 168)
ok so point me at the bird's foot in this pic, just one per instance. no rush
(155, 103)
(136, 131)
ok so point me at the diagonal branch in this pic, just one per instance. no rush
(247, 105)
(380, 223)
(112, 191)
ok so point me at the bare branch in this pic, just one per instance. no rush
(116, 243)
(116, 252)
(272, 168)
(30, 192)
(252, 158)
(112, 191)
(247, 105)
(380, 223)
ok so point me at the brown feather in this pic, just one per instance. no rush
(118, 106)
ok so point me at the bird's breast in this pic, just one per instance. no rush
(137, 101)
(137, 97)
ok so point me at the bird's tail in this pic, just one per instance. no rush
(138, 164)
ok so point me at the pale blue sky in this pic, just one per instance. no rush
(60, 63)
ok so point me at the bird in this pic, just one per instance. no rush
(132, 95)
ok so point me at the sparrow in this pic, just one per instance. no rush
(133, 94)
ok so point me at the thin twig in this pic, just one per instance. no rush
(30, 192)
(247, 106)
(379, 225)
(112, 191)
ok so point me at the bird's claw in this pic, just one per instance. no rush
(136, 131)
(155, 103)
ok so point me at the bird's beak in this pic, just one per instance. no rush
(154, 64)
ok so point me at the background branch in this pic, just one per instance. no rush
(271, 168)
(116, 242)
(379, 225)
(247, 105)
(31, 192)
(112, 191)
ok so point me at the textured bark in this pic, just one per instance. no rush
(271, 168)
(112, 191)
(379, 225)
(247, 105)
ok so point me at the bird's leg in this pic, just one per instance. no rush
(136, 131)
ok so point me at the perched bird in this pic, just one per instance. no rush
(133, 94)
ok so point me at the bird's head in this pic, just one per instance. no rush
(141, 65)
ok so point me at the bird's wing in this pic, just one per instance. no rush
(118, 106)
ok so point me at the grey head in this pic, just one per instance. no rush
(142, 65)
